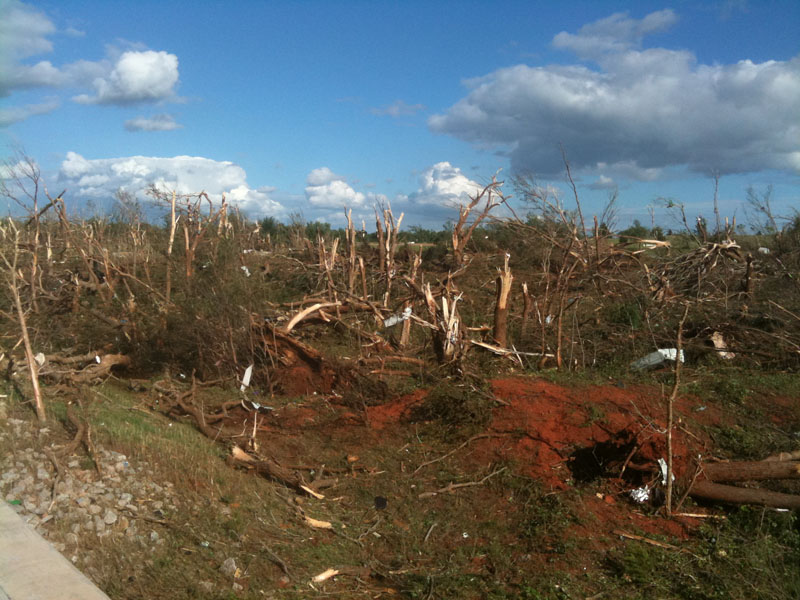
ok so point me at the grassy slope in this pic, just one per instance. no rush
(520, 542)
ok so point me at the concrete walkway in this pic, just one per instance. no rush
(31, 569)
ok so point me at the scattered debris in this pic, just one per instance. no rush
(641, 495)
(395, 319)
(325, 575)
(229, 568)
(317, 523)
(248, 373)
(662, 465)
(639, 538)
(721, 346)
(657, 359)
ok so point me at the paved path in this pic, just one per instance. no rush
(31, 569)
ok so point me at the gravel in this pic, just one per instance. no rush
(80, 504)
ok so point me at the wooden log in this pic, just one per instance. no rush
(793, 455)
(752, 471)
(271, 469)
(708, 490)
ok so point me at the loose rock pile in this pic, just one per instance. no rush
(77, 503)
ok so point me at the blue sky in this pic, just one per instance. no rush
(305, 107)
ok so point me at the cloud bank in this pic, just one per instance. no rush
(640, 111)
(100, 178)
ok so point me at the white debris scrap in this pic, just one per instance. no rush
(395, 319)
(663, 466)
(248, 373)
(641, 495)
(657, 359)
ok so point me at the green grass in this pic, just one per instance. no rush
(754, 553)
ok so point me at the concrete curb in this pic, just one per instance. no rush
(31, 569)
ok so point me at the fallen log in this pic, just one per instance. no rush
(752, 470)
(708, 490)
(269, 468)
(794, 455)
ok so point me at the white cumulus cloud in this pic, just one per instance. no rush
(326, 189)
(135, 76)
(144, 76)
(444, 185)
(641, 111)
(161, 122)
(101, 178)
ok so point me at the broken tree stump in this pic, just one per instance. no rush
(504, 280)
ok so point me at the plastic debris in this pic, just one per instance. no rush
(662, 464)
(763, 250)
(245, 270)
(395, 319)
(248, 373)
(40, 359)
(641, 495)
(657, 359)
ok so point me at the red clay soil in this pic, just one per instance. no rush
(398, 410)
(545, 426)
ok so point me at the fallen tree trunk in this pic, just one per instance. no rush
(752, 471)
(271, 469)
(708, 490)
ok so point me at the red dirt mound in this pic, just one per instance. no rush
(556, 434)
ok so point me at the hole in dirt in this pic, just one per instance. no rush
(601, 460)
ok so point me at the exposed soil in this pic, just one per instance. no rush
(584, 448)
(558, 435)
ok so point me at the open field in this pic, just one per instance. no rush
(219, 409)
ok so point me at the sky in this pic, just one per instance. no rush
(304, 108)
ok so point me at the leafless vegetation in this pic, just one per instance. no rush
(208, 292)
